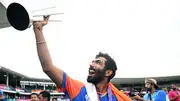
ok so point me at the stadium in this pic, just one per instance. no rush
(16, 85)
(19, 86)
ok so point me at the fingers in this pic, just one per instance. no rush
(43, 22)
(46, 18)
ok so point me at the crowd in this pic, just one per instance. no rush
(42, 96)
(154, 93)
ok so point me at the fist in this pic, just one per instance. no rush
(39, 24)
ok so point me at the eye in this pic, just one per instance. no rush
(98, 62)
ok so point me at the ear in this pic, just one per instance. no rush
(108, 73)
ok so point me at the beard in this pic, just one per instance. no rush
(97, 76)
(149, 89)
(174, 89)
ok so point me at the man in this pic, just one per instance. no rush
(1, 96)
(101, 71)
(34, 97)
(153, 93)
(174, 94)
(44, 96)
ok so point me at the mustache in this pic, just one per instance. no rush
(92, 68)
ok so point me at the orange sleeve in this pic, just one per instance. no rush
(71, 86)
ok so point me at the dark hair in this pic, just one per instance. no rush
(110, 64)
(45, 94)
(34, 94)
(156, 86)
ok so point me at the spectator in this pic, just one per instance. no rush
(34, 97)
(153, 93)
(174, 94)
(44, 96)
(1, 96)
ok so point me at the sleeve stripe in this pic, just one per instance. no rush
(64, 80)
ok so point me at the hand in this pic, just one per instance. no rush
(39, 24)
(136, 97)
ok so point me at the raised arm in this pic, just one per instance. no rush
(52, 71)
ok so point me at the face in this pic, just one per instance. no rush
(97, 72)
(41, 98)
(173, 87)
(148, 86)
(34, 98)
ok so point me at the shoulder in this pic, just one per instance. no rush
(70, 81)
(171, 91)
(145, 96)
(161, 93)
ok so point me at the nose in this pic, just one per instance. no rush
(92, 64)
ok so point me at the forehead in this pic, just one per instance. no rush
(102, 59)
(33, 95)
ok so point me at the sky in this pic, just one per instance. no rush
(141, 35)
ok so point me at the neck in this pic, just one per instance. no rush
(102, 87)
(153, 90)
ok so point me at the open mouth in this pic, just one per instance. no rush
(91, 72)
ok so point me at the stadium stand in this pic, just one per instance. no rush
(16, 85)
(19, 86)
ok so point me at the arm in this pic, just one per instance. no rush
(52, 71)
(171, 97)
(145, 98)
(71, 86)
(62, 80)
(139, 98)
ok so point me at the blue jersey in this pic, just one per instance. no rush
(159, 95)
